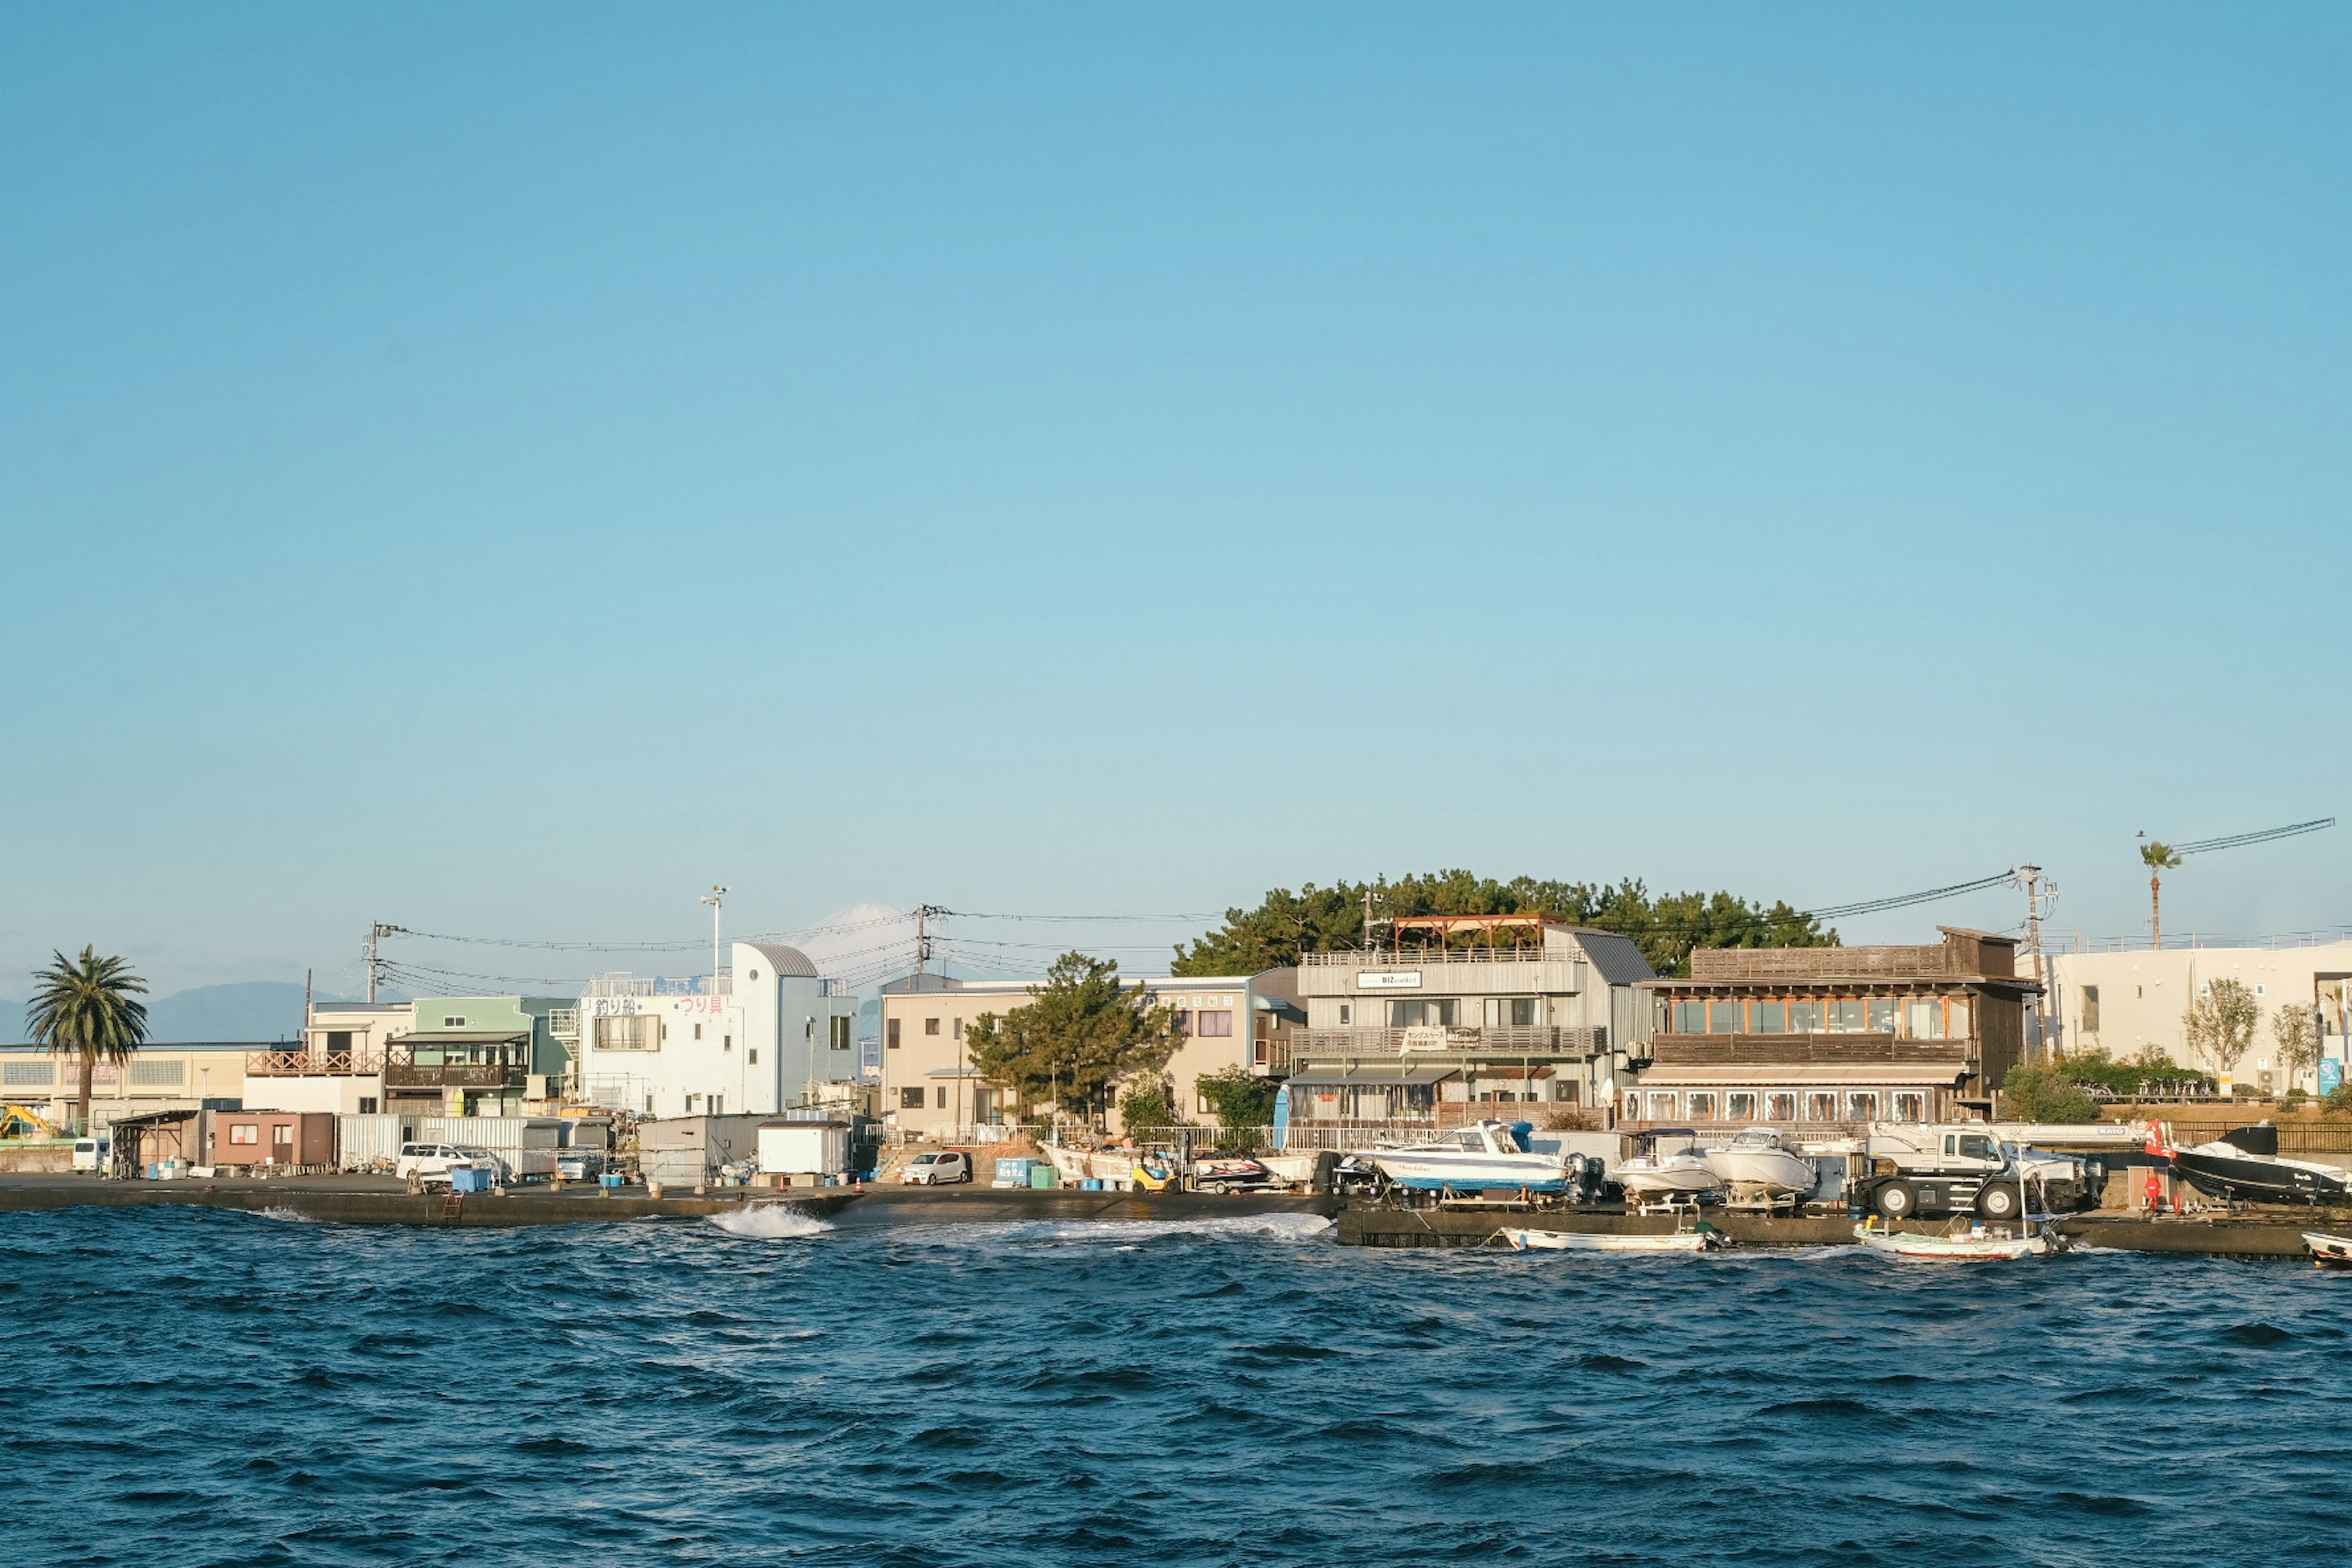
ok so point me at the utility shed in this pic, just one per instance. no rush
(804, 1148)
(690, 1148)
(279, 1138)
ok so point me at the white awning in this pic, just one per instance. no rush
(1856, 1075)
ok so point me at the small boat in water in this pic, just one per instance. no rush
(1756, 1164)
(1706, 1239)
(1651, 1175)
(2329, 1251)
(1974, 1246)
(1488, 1154)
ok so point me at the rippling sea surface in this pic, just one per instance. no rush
(188, 1387)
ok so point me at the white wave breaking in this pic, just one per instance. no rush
(774, 1222)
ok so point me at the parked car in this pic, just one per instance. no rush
(93, 1154)
(432, 1163)
(938, 1169)
(580, 1164)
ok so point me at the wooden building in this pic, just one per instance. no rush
(1834, 1036)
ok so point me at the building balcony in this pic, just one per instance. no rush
(1543, 1040)
(358, 1063)
(1441, 972)
(453, 1075)
(1824, 1050)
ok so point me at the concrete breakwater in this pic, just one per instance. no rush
(376, 1200)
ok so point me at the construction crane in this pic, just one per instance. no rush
(2159, 857)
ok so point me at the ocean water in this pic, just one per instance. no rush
(192, 1387)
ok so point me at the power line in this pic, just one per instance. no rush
(2291, 829)
(1904, 900)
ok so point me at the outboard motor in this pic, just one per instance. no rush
(1327, 1170)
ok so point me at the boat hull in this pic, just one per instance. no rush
(1763, 1172)
(2329, 1251)
(1597, 1241)
(1951, 1249)
(2251, 1178)
(1470, 1171)
(1684, 1175)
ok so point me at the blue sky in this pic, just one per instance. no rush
(500, 471)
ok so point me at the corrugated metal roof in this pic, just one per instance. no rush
(1321, 1078)
(786, 960)
(1618, 958)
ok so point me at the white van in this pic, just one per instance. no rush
(93, 1154)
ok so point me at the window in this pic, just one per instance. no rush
(698, 1031)
(1822, 1106)
(339, 1039)
(755, 975)
(367, 1105)
(1725, 1018)
(1662, 1107)
(1519, 1013)
(718, 1103)
(29, 1073)
(912, 1099)
(2090, 1009)
(1689, 1018)
(244, 1132)
(1215, 1025)
(1880, 1012)
(894, 1034)
(1441, 1012)
(1702, 1106)
(1780, 1107)
(751, 1057)
(1862, 1107)
(158, 1074)
(1805, 1017)
(930, 1025)
(1910, 1105)
(1845, 1016)
(1201, 1105)
(1739, 1105)
(1184, 1021)
(634, 1032)
(282, 1136)
(453, 1023)
(693, 1103)
(1958, 1028)
(837, 1031)
(1344, 1011)
(1922, 1018)
(726, 1042)
(1768, 1017)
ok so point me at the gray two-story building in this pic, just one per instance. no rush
(1458, 1011)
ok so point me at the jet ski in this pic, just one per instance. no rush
(2244, 1167)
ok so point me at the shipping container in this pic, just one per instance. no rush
(527, 1143)
(363, 1142)
(810, 1148)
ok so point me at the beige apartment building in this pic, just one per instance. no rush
(930, 1090)
(2123, 1002)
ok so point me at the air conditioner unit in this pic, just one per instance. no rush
(534, 1086)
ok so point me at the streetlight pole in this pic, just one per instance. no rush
(715, 898)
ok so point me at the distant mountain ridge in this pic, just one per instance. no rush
(255, 1010)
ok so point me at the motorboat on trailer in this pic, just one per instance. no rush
(1757, 1165)
(2244, 1167)
(1485, 1154)
(1651, 1175)
(1975, 1245)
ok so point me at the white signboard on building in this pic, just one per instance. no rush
(1388, 980)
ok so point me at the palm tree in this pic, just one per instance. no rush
(83, 1008)
(2159, 858)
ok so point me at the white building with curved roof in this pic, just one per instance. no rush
(768, 1035)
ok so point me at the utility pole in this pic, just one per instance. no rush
(715, 898)
(306, 1011)
(923, 913)
(377, 932)
(2030, 878)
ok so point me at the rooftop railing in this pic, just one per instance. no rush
(662, 985)
(1540, 1040)
(1417, 957)
(313, 1064)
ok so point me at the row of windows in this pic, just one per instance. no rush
(1912, 1018)
(1776, 1105)
(1209, 1024)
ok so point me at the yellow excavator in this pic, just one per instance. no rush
(24, 1122)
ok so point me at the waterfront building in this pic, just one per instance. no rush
(2130, 997)
(930, 1089)
(338, 1067)
(1832, 1035)
(768, 1034)
(1457, 1015)
(162, 1076)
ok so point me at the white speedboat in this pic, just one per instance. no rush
(1756, 1164)
(1974, 1245)
(1651, 1175)
(2329, 1251)
(1706, 1240)
(1487, 1154)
